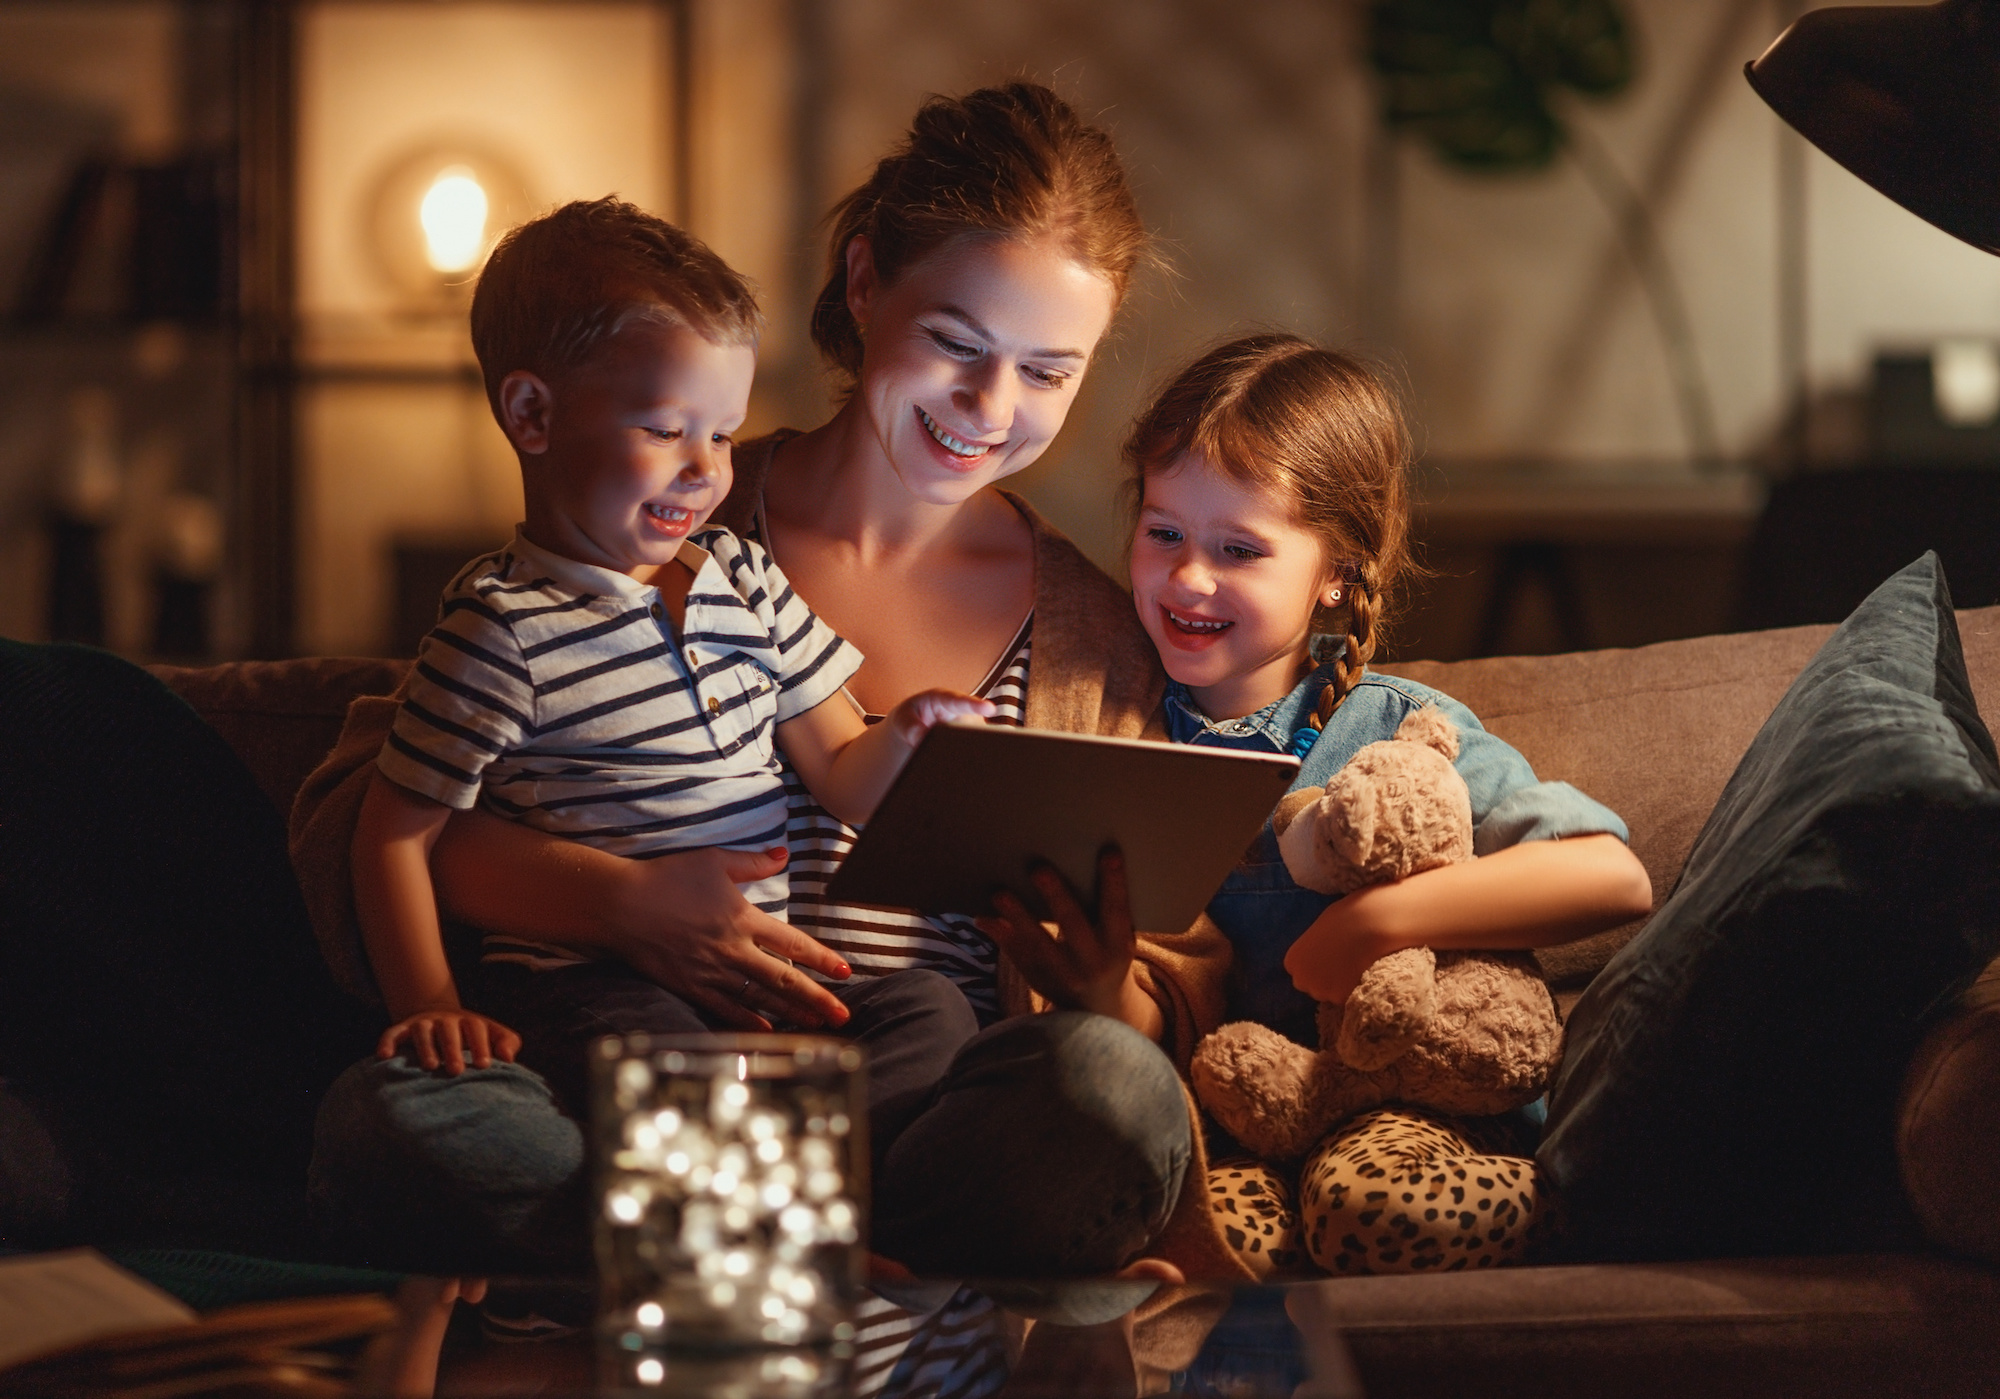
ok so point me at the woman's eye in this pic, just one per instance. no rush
(954, 347)
(1047, 378)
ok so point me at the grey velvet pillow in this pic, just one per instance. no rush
(1730, 1077)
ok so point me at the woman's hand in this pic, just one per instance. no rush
(1078, 964)
(679, 920)
(682, 923)
(448, 1035)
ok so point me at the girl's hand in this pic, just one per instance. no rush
(913, 718)
(443, 1035)
(1078, 964)
(1329, 958)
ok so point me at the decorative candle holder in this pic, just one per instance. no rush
(732, 1177)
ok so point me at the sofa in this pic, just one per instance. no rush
(1655, 733)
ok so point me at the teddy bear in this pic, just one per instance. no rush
(1463, 1033)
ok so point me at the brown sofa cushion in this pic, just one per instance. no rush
(1654, 733)
(1948, 1133)
(281, 717)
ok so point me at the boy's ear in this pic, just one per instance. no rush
(861, 280)
(526, 408)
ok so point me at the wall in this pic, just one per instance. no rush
(396, 445)
(1513, 317)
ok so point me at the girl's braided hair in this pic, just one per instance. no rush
(1319, 427)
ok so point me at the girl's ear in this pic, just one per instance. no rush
(527, 407)
(862, 283)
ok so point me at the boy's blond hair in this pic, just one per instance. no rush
(557, 288)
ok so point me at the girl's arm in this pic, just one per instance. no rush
(1534, 894)
(397, 909)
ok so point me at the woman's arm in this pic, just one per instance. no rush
(1534, 894)
(678, 920)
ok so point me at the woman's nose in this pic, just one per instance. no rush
(986, 397)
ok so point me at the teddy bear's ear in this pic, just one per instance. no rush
(1430, 727)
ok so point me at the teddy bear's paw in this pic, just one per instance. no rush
(1257, 1084)
(1389, 1011)
(1495, 1043)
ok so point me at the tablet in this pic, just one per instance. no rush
(978, 803)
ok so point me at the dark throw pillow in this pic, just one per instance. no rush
(1730, 1078)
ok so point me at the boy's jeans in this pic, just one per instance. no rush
(1052, 1145)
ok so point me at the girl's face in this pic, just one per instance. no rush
(972, 357)
(1225, 581)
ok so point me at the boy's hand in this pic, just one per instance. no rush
(444, 1035)
(913, 718)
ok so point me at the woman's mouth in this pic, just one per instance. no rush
(1189, 632)
(669, 520)
(967, 452)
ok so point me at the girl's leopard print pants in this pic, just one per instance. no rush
(1393, 1191)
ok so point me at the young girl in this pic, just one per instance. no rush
(1272, 521)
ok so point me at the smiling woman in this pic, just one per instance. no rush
(970, 280)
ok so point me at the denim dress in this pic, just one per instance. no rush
(1263, 912)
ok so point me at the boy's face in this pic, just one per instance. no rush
(634, 447)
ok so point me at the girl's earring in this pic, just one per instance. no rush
(1332, 596)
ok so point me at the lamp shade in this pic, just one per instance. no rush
(1906, 97)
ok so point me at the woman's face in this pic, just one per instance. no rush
(972, 357)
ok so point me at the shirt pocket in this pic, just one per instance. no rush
(741, 704)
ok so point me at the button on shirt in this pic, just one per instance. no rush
(554, 693)
(1263, 912)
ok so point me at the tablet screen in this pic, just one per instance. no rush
(979, 803)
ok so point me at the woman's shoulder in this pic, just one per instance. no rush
(1094, 670)
(1066, 580)
(750, 466)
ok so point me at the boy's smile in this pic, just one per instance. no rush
(627, 455)
(1225, 582)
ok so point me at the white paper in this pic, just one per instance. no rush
(49, 1301)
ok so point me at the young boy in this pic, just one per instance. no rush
(616, 674)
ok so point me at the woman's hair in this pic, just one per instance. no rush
(1010, 161)
(1318, 428)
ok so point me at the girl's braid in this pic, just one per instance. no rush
(1364, 607)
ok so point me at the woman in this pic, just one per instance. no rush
(971, 279)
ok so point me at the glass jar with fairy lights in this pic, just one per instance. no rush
(731, 1190)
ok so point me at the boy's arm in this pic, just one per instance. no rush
(1535, 894)
(847, 764)
(397, 909)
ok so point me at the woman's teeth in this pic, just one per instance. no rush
(1194, 624)
(948, 442)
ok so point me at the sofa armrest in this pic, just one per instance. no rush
(1948, 1131)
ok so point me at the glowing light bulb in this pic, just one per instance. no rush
(1965, 380)
(453, 213)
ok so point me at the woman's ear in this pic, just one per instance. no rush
(862, 283)
(526, 409)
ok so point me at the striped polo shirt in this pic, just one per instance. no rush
(555, 693)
